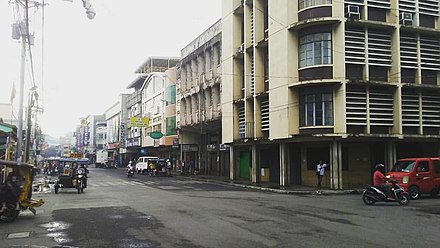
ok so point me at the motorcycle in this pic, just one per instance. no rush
(15, 198)
(69, 178)
(371, 195)
(130, 172)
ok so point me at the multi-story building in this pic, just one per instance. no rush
(353, 83)
(198, 91)
(155, 84)
(133, 133)
(115, 117)
(100, 134)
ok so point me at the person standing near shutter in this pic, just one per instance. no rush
(320, 169)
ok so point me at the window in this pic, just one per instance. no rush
(423, 166)
(170, 95)
(315, 49)
(171, 126)
(309, 3)
(316, 109)
(436, 164)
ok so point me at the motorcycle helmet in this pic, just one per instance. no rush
(380, 166)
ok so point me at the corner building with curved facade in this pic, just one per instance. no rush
(352, 83)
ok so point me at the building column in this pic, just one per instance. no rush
(232, 163)
(390, 155)
(335, 165)
(255, 176)
(284, 169)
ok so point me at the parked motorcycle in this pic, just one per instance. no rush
(371, 195)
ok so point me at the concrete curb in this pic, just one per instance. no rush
(279, 191)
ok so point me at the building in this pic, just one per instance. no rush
(115, 117)
(158, 105)
(133, 133)
(198, 91)
(353, 83)
(7, 115)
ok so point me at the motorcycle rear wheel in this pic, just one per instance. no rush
(10, 214)
(367, 200)
(403, 200)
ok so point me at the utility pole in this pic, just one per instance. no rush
(23, 29)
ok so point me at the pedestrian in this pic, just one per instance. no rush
(320, 168)
(192, 166)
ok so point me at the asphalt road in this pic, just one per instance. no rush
(144, 211)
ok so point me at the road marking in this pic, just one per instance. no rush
(19, 235)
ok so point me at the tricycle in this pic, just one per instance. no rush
(16, 189)
(72, 177)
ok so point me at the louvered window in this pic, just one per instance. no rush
(383, 4)
(408, 6)
(431, 109)
(379, 48)
(356, 105)
(430, 53)
(408, 51)
(241, 121)
(354, 46)
(410, 109)
(265, 115)
(381, 108)
(429, 7)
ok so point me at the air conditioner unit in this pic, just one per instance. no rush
(406, 18)
(352, 12)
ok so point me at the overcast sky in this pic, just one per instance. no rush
(86, 63)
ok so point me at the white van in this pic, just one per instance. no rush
(143, 162)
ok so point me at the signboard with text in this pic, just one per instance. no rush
(139, 121)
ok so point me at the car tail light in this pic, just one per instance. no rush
(405, 179)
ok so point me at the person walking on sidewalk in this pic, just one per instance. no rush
(320, 169)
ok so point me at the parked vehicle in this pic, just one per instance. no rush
(101, 159)
(13, 197)
(417, 175)
(372, 195)
(142, 164)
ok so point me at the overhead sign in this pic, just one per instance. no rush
(156, 135)
(139, 121)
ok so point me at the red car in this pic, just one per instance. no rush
(417, 175)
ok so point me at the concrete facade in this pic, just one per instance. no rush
(198, 103)
(352, 83)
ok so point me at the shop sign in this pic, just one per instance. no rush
(224, 147)
(139, 121)
(156, 135)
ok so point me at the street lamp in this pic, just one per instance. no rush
(90, 11)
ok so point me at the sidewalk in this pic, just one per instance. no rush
(271, 187)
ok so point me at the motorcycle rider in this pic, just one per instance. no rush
(85, 176)
(130, 166)
(381, 182)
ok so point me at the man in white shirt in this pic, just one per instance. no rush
(320, 168)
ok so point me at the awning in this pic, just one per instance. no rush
(5, 129)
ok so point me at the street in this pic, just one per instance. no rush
(144, 211)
